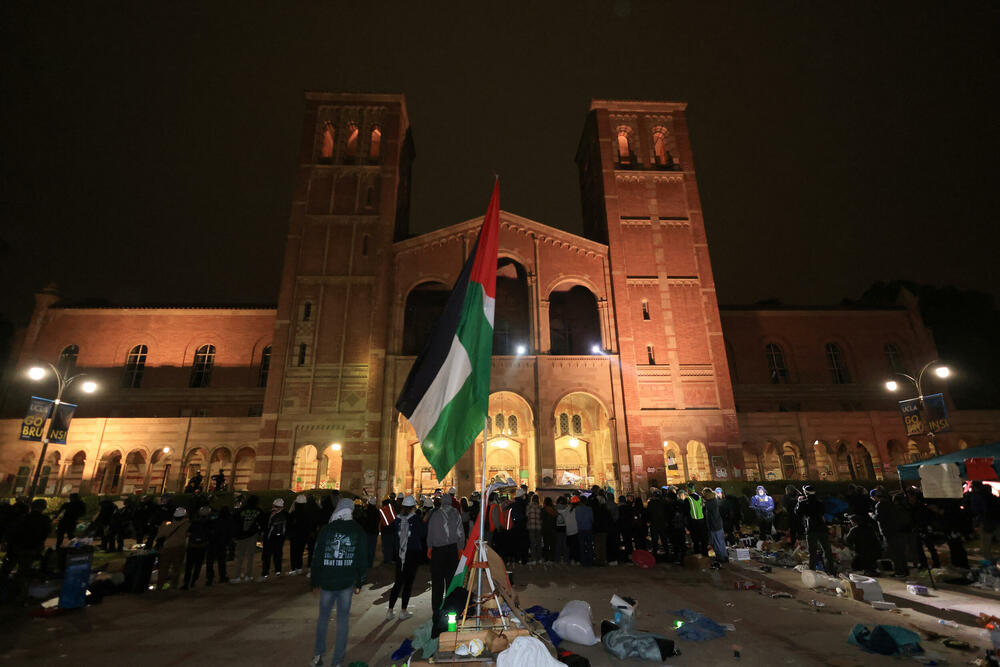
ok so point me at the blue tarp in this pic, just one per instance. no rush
(912, 470)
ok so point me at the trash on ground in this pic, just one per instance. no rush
(697, 627)
(781, 594)
(882, 605)
(575, 624)
(886, 640)
(527, 651)
(917, 589)
(546, 618)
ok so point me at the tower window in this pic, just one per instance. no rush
(894, 358)
(302, 354)
(838, 367)
(776, 364)
(375, 144)
(625, 156)
(649, 355)
(661, 155)
(135, 364)
(577, 425)
(67, 360)
(645, 309)
(563, 423)
(201, 367)
(352, 140)
(512, 424)
(265, 366)
(326, 151)
(307, 309)
(498, 420)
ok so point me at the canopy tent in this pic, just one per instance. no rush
(911, 471)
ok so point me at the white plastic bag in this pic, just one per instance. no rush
(575, 624)
(527, 652)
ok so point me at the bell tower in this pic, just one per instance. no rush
(640, 196)
(323, 417)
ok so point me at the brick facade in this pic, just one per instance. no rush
(613, 362)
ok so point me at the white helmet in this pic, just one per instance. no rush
(278, 502)
(180, 513)
(299, 499)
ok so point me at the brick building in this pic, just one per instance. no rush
(613, 361)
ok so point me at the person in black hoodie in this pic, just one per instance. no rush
(249, 523)
(790, 502)
(865, 544)
(198, 539)
(69, 515)
(368, 518)
(676, 522)
(809, 512)
(301, 527)
(275, 529)
(407, 540)
(220, 534)
(923, 528)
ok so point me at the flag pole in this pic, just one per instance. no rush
(481, 550)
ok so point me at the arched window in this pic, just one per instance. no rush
(135, 364)
(661, 155)
(307, 309)
(489, 427)
(201, 368)
(67, 360)
(894, 358)
(650, 356)
(645, 309)
(512, 424)
(375, 144)
(838, 367)
(563, 423)
(302, 354)
(625, 156)
(776, 367)
(326, 151)
(574, 321)
(499, 422)
(265, 366)
(577, 425)
(352, 140)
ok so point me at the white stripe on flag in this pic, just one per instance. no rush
(489, 307)
(445, 385)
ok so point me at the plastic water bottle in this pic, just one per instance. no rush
(949, 623)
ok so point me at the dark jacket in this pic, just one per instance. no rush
(249, 522)
(864, 542)
(810, 512)
(277, 526)
(416, 545)
(712, 514)
(341, 557)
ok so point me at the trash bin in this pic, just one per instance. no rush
(76, 577)
(138, 571)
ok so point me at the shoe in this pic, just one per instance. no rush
(235, 580)
(403, 615)
(317, 661)
(389, 613)
(262, 578)
(277, 574)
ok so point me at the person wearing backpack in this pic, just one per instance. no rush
(676, 524)
(274, 539)
(170, 540)
(810, 512)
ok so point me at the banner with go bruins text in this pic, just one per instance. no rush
(34, 420)
(59, 426)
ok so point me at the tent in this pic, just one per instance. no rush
(911, 471)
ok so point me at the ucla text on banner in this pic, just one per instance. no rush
(936, 414)
(34, 420)
(912, 419)
(59, 427)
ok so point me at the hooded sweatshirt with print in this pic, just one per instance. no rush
(341, 557)
(762, 504)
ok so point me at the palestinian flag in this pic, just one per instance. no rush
(446, 395)
(468, 554)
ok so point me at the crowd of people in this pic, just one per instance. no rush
(335, 540)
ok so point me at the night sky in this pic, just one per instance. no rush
(148, 149)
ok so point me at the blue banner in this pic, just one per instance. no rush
(34, 420)
(913, 420)
(936, 414)
(59, 426)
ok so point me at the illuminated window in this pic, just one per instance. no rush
(302, 354)
(625, 156)
(512, 424)
(201, 368)
(265, 366)
(838, 367)
(499, 422)
(577, 424)
(661, 155)
(776, 367)
(489, 427)
(326, 152)
(894, 358)
(645, 309)
(375, 144)
(563, 423)
(352, 140)
(135, 364)
(67, 360)
(307, 309)
(650, 357)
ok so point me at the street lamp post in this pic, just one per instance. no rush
(37, 373)
(940, 370)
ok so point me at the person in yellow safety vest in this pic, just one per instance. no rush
(697, 525)
(386, 517)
